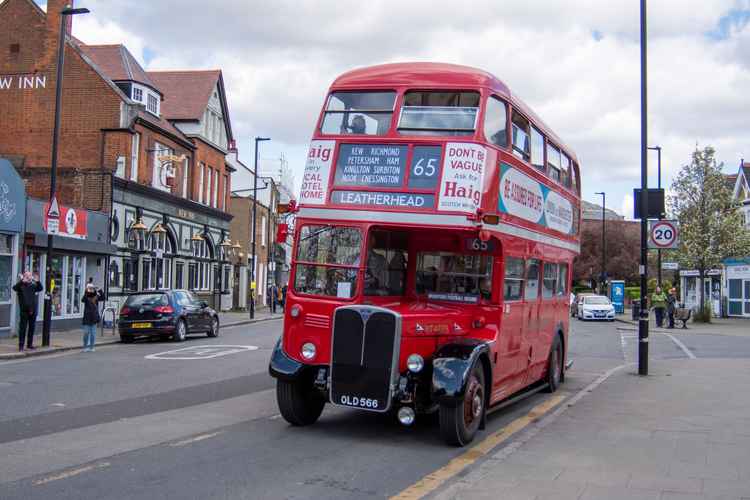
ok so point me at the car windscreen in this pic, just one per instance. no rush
(598, 301)
(147, 299)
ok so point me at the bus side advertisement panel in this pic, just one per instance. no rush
(528, 199)
(462, 180)
(317, 173)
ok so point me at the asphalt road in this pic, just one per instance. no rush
(139, 421)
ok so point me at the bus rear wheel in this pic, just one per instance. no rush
(300, 404)
(459, 423)
(555, 366)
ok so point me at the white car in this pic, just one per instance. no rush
(596, 307)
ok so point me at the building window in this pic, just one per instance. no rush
(137, 94)
(224, 193)
(130, 275)
(153, 104)
(192, 275)
(134, 153)
(185, 175)
(201, 176)
(179, 270)
(263, 230)
(214, 201)
(7, 249)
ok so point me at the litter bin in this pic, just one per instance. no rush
(636, 310)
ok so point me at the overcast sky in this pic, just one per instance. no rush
(576, 62)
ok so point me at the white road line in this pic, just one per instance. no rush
(624, 345)
(196, 439)
(682, 346)
(202, 352)
(70, 473)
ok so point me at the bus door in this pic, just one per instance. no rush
(548, 313)
(532, 319)
(511, 365)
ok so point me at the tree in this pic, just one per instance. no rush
(711, 227)
(622, 241)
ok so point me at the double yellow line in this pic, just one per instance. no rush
(434, 480)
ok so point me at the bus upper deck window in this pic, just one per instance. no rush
(495, 122)
(358, 113)
(439, 113)
(553, 162)
(537, 149)
(521, 142)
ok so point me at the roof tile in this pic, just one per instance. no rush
(186, 93)
(117, 63)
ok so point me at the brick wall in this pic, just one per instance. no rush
(215, 160)
(28, 57)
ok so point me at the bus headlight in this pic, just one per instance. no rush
(406, 415)
(308, 350)
(295, 311)
(415, 363)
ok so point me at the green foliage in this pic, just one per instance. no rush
(633, 292)
(703, 315)
(581, 288)
(711, 225)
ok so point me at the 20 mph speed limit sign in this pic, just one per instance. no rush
(663, 234)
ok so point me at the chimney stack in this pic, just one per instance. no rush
(54, 7)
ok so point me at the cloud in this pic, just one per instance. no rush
(278, 59)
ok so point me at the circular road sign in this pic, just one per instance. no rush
(663, 234)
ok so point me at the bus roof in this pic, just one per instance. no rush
(429, 75)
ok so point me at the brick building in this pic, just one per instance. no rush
(144, 148)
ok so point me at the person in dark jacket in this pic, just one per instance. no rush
(26, 289)
(671, 306)
(91, 317)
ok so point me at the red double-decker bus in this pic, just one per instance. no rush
(434, 238)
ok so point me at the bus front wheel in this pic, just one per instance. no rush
(300, 404)
(459, 422)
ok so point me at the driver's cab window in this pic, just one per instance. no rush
(387, 259)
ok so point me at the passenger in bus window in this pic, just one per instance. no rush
(358, 125)
(485, 288)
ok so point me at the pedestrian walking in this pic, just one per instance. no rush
(91, 317)
(659, 303)
(671, 306)
(26, 289)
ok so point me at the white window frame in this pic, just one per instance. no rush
(263, 223)
(137, 94)
(135, 151)
(201, 181)
(185, 175)
(224, 192)
(216, 189)
(152, 103)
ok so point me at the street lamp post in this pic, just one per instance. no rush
(47, 315)
(658, 184)
(643, 319)
(255, 210)
(604, 243)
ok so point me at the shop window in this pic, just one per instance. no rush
(179, 270)
(6, 267)
(114, 274)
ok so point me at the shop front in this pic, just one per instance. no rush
(167, 242)
(690, 286)
(12, 219)
(737, 272)
(80, 253)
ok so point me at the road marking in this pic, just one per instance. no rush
(196, 439)
(432, 481)
(70, 473)
(202, 352)
(682, 346)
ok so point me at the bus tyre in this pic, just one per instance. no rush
(555, 366)
(459, 423)
(299, 403)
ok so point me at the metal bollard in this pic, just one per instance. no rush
(104, 314)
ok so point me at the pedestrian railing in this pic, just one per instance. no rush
(111, 323)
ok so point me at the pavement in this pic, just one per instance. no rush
(717, 326)
(65, 340)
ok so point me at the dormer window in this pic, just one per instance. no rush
(152, 105)
(137, 94)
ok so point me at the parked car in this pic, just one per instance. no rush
(596, 307)
(577, 301)
(167, 313)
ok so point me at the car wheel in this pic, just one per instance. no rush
(214, 331)
(180, 331)
(555, 366)
(126, 339)
(459, 422)
(300, 404)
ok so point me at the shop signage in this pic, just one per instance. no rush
(317, 172)
(185, 214)
(695, 273)
(12, 198)
(462, 179)
(373, 165)
(523, 197)
(387, 200)
(738, 271)
(71, 223)
(22, 82)
(670, 266)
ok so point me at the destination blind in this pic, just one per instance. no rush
(371, 165)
